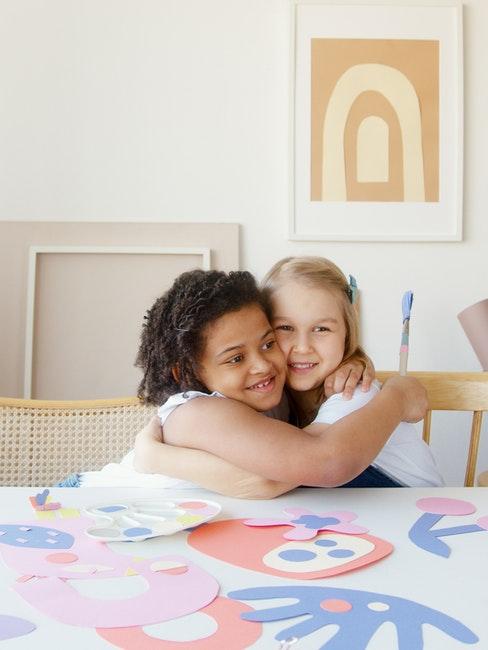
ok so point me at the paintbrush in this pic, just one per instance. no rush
(406, 308)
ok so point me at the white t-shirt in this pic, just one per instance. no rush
(123, 474)
(405, 456)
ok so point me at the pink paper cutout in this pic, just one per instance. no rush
(445, 506)
(307, 524)
(232, 633)
(483, 522)
(168, 595)
(62, 558)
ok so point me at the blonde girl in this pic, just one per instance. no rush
(316, 327)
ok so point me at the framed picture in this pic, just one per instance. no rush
(377, 123)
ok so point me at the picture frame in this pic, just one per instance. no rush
(376, 123)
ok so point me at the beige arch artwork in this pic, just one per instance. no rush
(400, 92)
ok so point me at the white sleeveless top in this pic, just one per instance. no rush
(123, 474)
(405, 456)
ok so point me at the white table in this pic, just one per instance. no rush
(456, 586)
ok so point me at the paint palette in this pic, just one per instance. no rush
(141, 519)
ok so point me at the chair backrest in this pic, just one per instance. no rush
(41, 442)
(455, 391)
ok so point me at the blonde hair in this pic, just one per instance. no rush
(319, 273)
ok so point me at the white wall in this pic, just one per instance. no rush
(177, 110)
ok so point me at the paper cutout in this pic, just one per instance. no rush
(306, 523)
(50, 585)
(167, 597)
(34, 537)
(262, 549)
(358, 614)
(146, 518)
(42, 501)
(425, 536)
(12, 627)
(232, 633)
(41, 498)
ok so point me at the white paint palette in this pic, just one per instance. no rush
(145, 518)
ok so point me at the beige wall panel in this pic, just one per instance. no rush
(89, 307)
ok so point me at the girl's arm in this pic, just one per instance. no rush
(280, 452)
(205, 469)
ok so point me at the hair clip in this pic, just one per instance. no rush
(352, 290)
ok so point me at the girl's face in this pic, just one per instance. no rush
(311, 332)
(242, 360)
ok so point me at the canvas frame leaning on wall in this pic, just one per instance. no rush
(376, 123)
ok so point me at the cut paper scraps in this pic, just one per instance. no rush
(47, 509)
(425, 536)
(12, 627)
(41, 502)
(134, 521)
(358, 614)
(232, 634)
(307, 524)
(49, 559)
(262, 548)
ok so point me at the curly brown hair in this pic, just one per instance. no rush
(173, 334)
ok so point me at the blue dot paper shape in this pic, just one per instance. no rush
(35, 537)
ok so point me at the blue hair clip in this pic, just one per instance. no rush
(353, 289)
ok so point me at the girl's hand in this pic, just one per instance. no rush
(347, 376)
(413, 397)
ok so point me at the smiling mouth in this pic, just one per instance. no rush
(302, 367)
(264, 386)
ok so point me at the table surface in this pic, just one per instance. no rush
(455, 586)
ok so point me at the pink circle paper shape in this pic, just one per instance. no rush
(445, 506)
(483, 522)
(336, 605)
(232, 633)
(61, 558)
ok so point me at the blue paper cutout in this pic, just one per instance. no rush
(297, 555)
(34, 537)
(41, 498)
(325, 542)
(13, 626)
(314, 522)
(357, 622)
(423, 536)
(341, 552)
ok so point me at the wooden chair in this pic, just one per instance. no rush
(455, 391)
(41, 442)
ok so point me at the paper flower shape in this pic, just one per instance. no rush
(358, 614)
(307, 524)
(425, 536)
